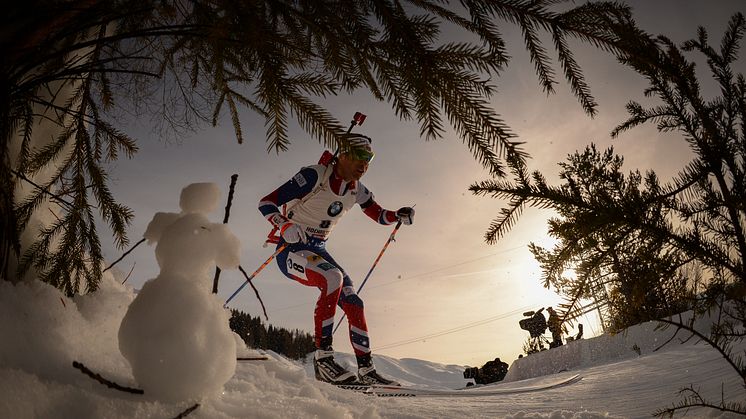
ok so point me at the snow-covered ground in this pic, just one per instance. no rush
(42, 332)
(171, 339)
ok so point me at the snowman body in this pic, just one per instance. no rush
(175, 334)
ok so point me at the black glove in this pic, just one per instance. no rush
(405, 215)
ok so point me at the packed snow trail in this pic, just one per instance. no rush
(498, 389)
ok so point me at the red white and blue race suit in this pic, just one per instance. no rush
(316, 199)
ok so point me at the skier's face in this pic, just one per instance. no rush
(350, 168)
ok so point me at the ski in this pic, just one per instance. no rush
(377, 390)
(481, 391)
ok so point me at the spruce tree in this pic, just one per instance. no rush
(654, 249)
(695, 221)
(188, 63)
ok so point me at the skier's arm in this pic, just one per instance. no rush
(377, 213)
(380, 215)
(296, 188)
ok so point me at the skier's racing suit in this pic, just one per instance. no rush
(316, 199)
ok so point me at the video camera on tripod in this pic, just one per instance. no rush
(535, 323)
(491, 372)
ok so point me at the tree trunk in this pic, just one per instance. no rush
(9, 237)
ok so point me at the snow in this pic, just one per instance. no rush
(172, 340)
(43, 332)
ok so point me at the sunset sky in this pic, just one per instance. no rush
(440, 293)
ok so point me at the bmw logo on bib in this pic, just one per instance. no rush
(334, 209)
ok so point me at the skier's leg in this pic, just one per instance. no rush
(329, 283)
(354, 308)
(310, 269)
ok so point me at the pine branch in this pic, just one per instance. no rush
(573, 73)
(42, 189)
(706, 339)
(124, 254)
(733, 35)
(539, 56)
(508, 218)
(315, 119)
(185, 61)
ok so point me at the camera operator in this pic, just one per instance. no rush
(491, 372)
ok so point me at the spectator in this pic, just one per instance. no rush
(555, 327)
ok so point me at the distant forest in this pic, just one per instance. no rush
(294, 344)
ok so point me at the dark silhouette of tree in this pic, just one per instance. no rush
(599, 210)
(648, 286)
(654, 246)
(81, 66)
(295, 344)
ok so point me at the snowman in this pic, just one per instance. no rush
(175, 334)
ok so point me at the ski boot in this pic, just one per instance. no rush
(328, 370)
(367, 373)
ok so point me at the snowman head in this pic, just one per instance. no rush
(189, 245)
(200, 198)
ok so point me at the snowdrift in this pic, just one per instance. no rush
(43, 332)
(639, 340)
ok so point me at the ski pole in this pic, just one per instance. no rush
(264, 265)
(385, 246)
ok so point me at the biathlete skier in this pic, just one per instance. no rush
(317, 197)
